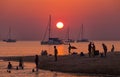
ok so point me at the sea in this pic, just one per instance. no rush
(29, 48)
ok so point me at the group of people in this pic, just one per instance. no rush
(9, 67)
(92, 49)
(21, 66)
(18, 67)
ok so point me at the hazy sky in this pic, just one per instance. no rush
(29, 18)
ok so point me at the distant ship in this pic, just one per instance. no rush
(9, 37)
(82, 36)
(51, 40)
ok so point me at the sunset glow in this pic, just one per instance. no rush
(73, 36)
(59, 25)
(99, 18)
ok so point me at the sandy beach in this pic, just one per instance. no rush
(109, 65)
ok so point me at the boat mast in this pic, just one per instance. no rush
(9, 36)
(68, 33)
(82, 32)
(49, 26)
(48, 29)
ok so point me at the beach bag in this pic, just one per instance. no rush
(96, 52)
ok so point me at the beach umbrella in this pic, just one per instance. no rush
(73, 47)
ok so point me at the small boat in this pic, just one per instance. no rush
(51, 40)
(10, 40)
(9, 37)
(82, 36)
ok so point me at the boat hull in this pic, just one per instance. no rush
(52, 41)
(83, 40)
(10, 40)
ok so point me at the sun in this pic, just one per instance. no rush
(60, 25)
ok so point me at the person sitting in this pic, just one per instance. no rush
(82, 54)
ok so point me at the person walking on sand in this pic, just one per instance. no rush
(69, 48)
(105, 49)
(55, 53)
(36, 62)
(89, 48)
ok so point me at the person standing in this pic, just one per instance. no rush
(113, 48)
(89, 48)
(69, 48)
(105, 49)
(36, 62)
(93, 49)
(55, 53)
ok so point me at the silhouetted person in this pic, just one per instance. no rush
(55, 53)
(21, 63)
(89, 48)
(105, 49)
(9, 67)
(36, 62)
(113, 48)
(69, 48)
(82, 54)
(93, 49)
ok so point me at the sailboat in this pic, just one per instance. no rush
(82, 36)
(9, 37)
(51, 40)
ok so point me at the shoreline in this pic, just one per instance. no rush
(109, 65)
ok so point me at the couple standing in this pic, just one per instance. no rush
(91, 49)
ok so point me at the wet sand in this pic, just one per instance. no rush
(109, 65)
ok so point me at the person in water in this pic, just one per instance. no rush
(21, 63)
(36, 62)
(9, 67)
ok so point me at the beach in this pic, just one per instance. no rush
(109, 65)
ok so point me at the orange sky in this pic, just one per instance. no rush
(29, 17)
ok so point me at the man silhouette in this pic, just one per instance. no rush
(55, 53)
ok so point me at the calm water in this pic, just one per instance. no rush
(23, 48)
